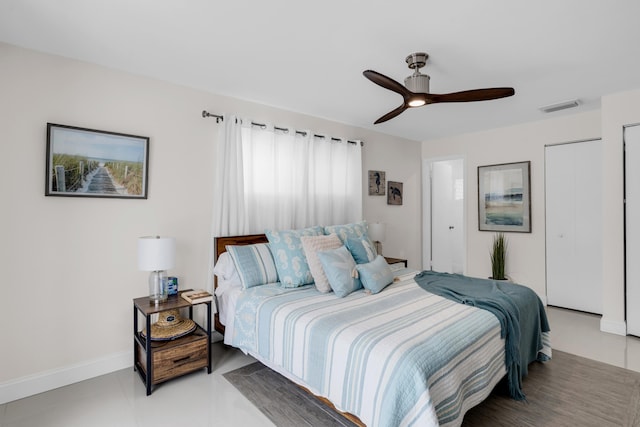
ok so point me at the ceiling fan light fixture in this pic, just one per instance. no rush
(416, 102)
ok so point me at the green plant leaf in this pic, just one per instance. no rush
(498, 256)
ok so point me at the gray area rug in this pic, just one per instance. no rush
(566, 391)
(282, 401)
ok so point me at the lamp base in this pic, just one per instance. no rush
(378, 245)
(157, 286)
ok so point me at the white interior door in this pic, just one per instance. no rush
(447, 213)
(573, 193)
(632, 226)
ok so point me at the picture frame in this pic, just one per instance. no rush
(394, 193)
(377, 183)
(84, 162)
(504, 197)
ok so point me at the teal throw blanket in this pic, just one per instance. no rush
(518, 308)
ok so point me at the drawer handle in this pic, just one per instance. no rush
(182, 359)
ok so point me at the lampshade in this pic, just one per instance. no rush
(156, 253)
(377, 231)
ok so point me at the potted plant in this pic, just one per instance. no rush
(498, 257)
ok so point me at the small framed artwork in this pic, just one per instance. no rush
(394, 193)
(376, 183)
(93, 163)
(504, 197)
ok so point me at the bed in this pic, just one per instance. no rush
(403, 356)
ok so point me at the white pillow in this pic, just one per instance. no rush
(312, 245)
(226, 271)
(224, 267)
(227, 285)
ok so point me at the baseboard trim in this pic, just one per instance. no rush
(49, 380)
(613, 327)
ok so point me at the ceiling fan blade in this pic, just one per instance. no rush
(472, 95)
(391, 114)
(386, 82)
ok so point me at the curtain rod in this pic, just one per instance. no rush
(219, 118)
(206, 114)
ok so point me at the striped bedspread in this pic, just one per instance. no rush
(400, 357)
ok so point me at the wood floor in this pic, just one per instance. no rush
(566, 391)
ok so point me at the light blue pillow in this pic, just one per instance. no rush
(376, 275)
(288, 254)
(339, 267)
(356, 229)
(254, 263)
(361, 248)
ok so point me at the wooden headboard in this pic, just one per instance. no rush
(220, 244)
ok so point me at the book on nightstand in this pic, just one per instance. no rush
(197, 296)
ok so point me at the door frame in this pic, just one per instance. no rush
(626, 240)
(426, 209)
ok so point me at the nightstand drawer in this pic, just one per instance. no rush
(177, 357)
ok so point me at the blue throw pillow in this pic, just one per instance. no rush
(361, 248)
(288, 254)
(340, 267)
(356, 229)
(376, 275)
(254, 264)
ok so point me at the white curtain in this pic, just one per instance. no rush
(269, 178)
(229, 210)
(283, 179)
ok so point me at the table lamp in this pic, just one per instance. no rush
(376, 233)
(156, 254)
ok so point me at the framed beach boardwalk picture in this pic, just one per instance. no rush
(91, 163)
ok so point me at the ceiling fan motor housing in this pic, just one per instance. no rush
(417, 83)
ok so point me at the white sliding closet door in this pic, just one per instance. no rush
(573, 192)
(632, 226)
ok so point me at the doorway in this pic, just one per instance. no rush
(443, 242)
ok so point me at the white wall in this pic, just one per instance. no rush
(402, 239)
(69, 268)
(526, 256)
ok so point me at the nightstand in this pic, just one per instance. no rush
(158, 361)
(396, 261)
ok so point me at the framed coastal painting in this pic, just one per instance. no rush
(93, 163)
(504, 197)
(377, 183)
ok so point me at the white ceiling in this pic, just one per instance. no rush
(309, 57)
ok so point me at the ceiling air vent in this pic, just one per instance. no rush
(560, 106)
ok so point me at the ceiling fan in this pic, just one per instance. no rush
(416, 89)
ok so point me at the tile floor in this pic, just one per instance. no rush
(118, 399)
